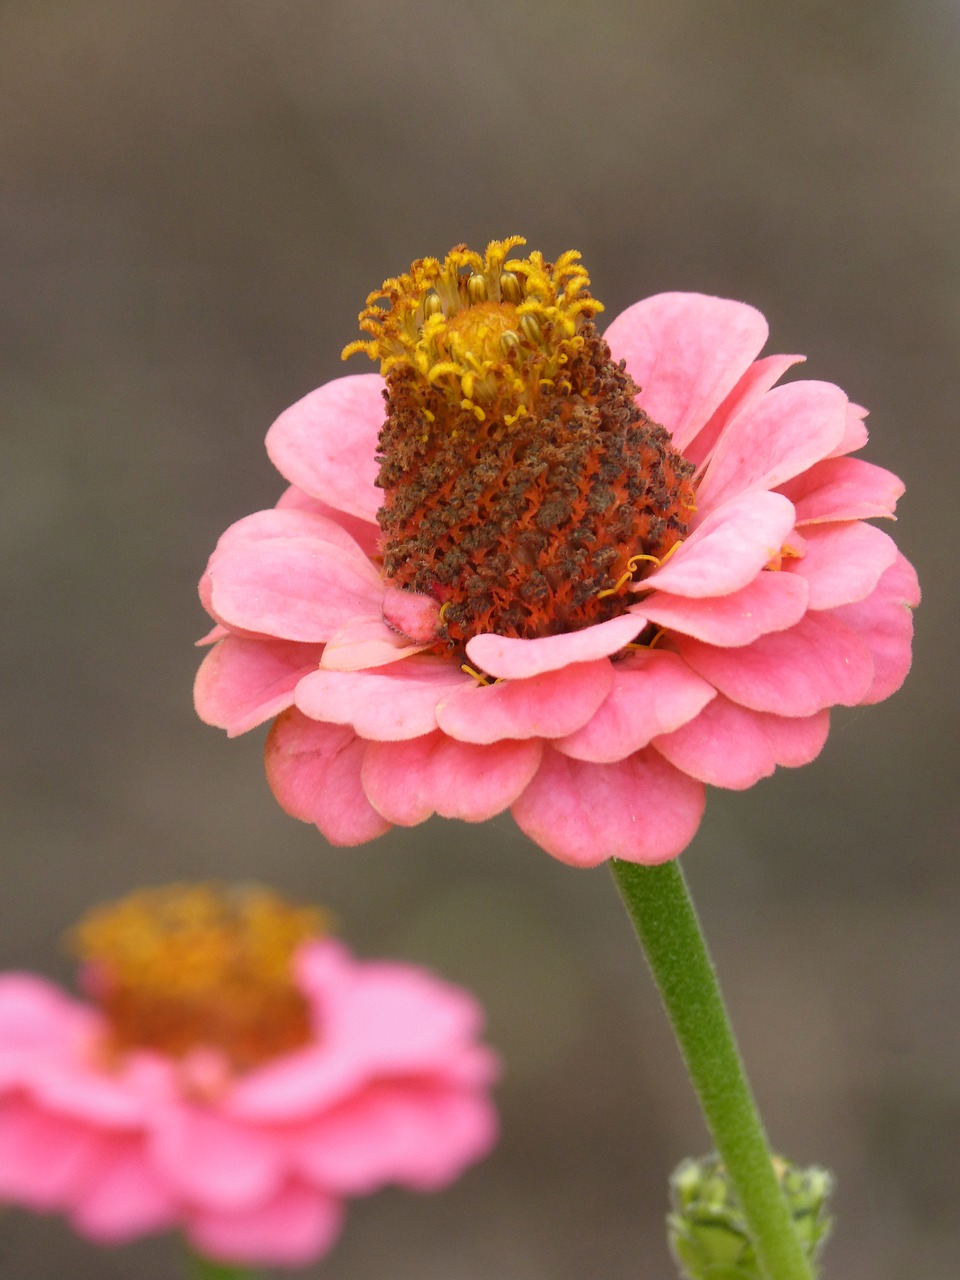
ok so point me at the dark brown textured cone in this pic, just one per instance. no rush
(521, 529)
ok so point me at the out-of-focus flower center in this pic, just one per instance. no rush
(523, 486)
(195, 967)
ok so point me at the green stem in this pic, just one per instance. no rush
(202, 1268)
(666, 923)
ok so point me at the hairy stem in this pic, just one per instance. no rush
(663, 915)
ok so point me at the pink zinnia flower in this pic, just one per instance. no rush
(235, 1078)
(533, 568)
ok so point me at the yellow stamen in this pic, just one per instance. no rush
(482, 329)
(612, 591)
(632, 564)
(477, 675)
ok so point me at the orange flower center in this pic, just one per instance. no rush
(191, 967)
(524, 488)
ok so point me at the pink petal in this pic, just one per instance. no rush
(34, 1014)
(123, 1198)
(408, 781)
(686, 352)
(843, 489)
(508, 658)
(366, 641)
(754, 384)
(791, 428)
(326, 444)
(242, 682)
(365, 533)
(884, 622)
(292, 588)
(728, 548)
(771, 602)
(320, 523)
(74, 1090)
(842, 562)
(729, 746)
(653, 692)
(296, 1227)
(213, 1161)
(392, 1019)
(314, 772)
(44, 1159)
(640, 809)
(272, 524)
(386, 705)
(818, 663)
(545, 706)
(855, 434)
(419, 1133)
(295, 1086)
(412, 614)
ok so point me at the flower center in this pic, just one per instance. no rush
(524, 488)
(190, 967)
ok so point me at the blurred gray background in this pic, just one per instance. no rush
(194, 202)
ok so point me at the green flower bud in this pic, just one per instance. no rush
(707, 1230)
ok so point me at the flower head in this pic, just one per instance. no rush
(235, 1076)
(530, 567)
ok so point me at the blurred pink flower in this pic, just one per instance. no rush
(252, 1165)
(719, 662)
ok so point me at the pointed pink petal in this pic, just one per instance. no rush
(408, 781)
(326, 444)
(755, 383)
(842, 562)
(686, 352)
(123, 1197)
(512, 659)
(314, 772)
(213, 1161)
(843, 489)
(241, 683)
(545, 706)
(855, 434)
(653, 692)
(640, 809)
(292, 588)
(818, 663)
(884, 621)
(791, 428)
(365, 532)
(387, 704)
(729, 746)
(296, 1227)
(420, 1134)
(216, 632)
(727, 549)
(771, 602)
